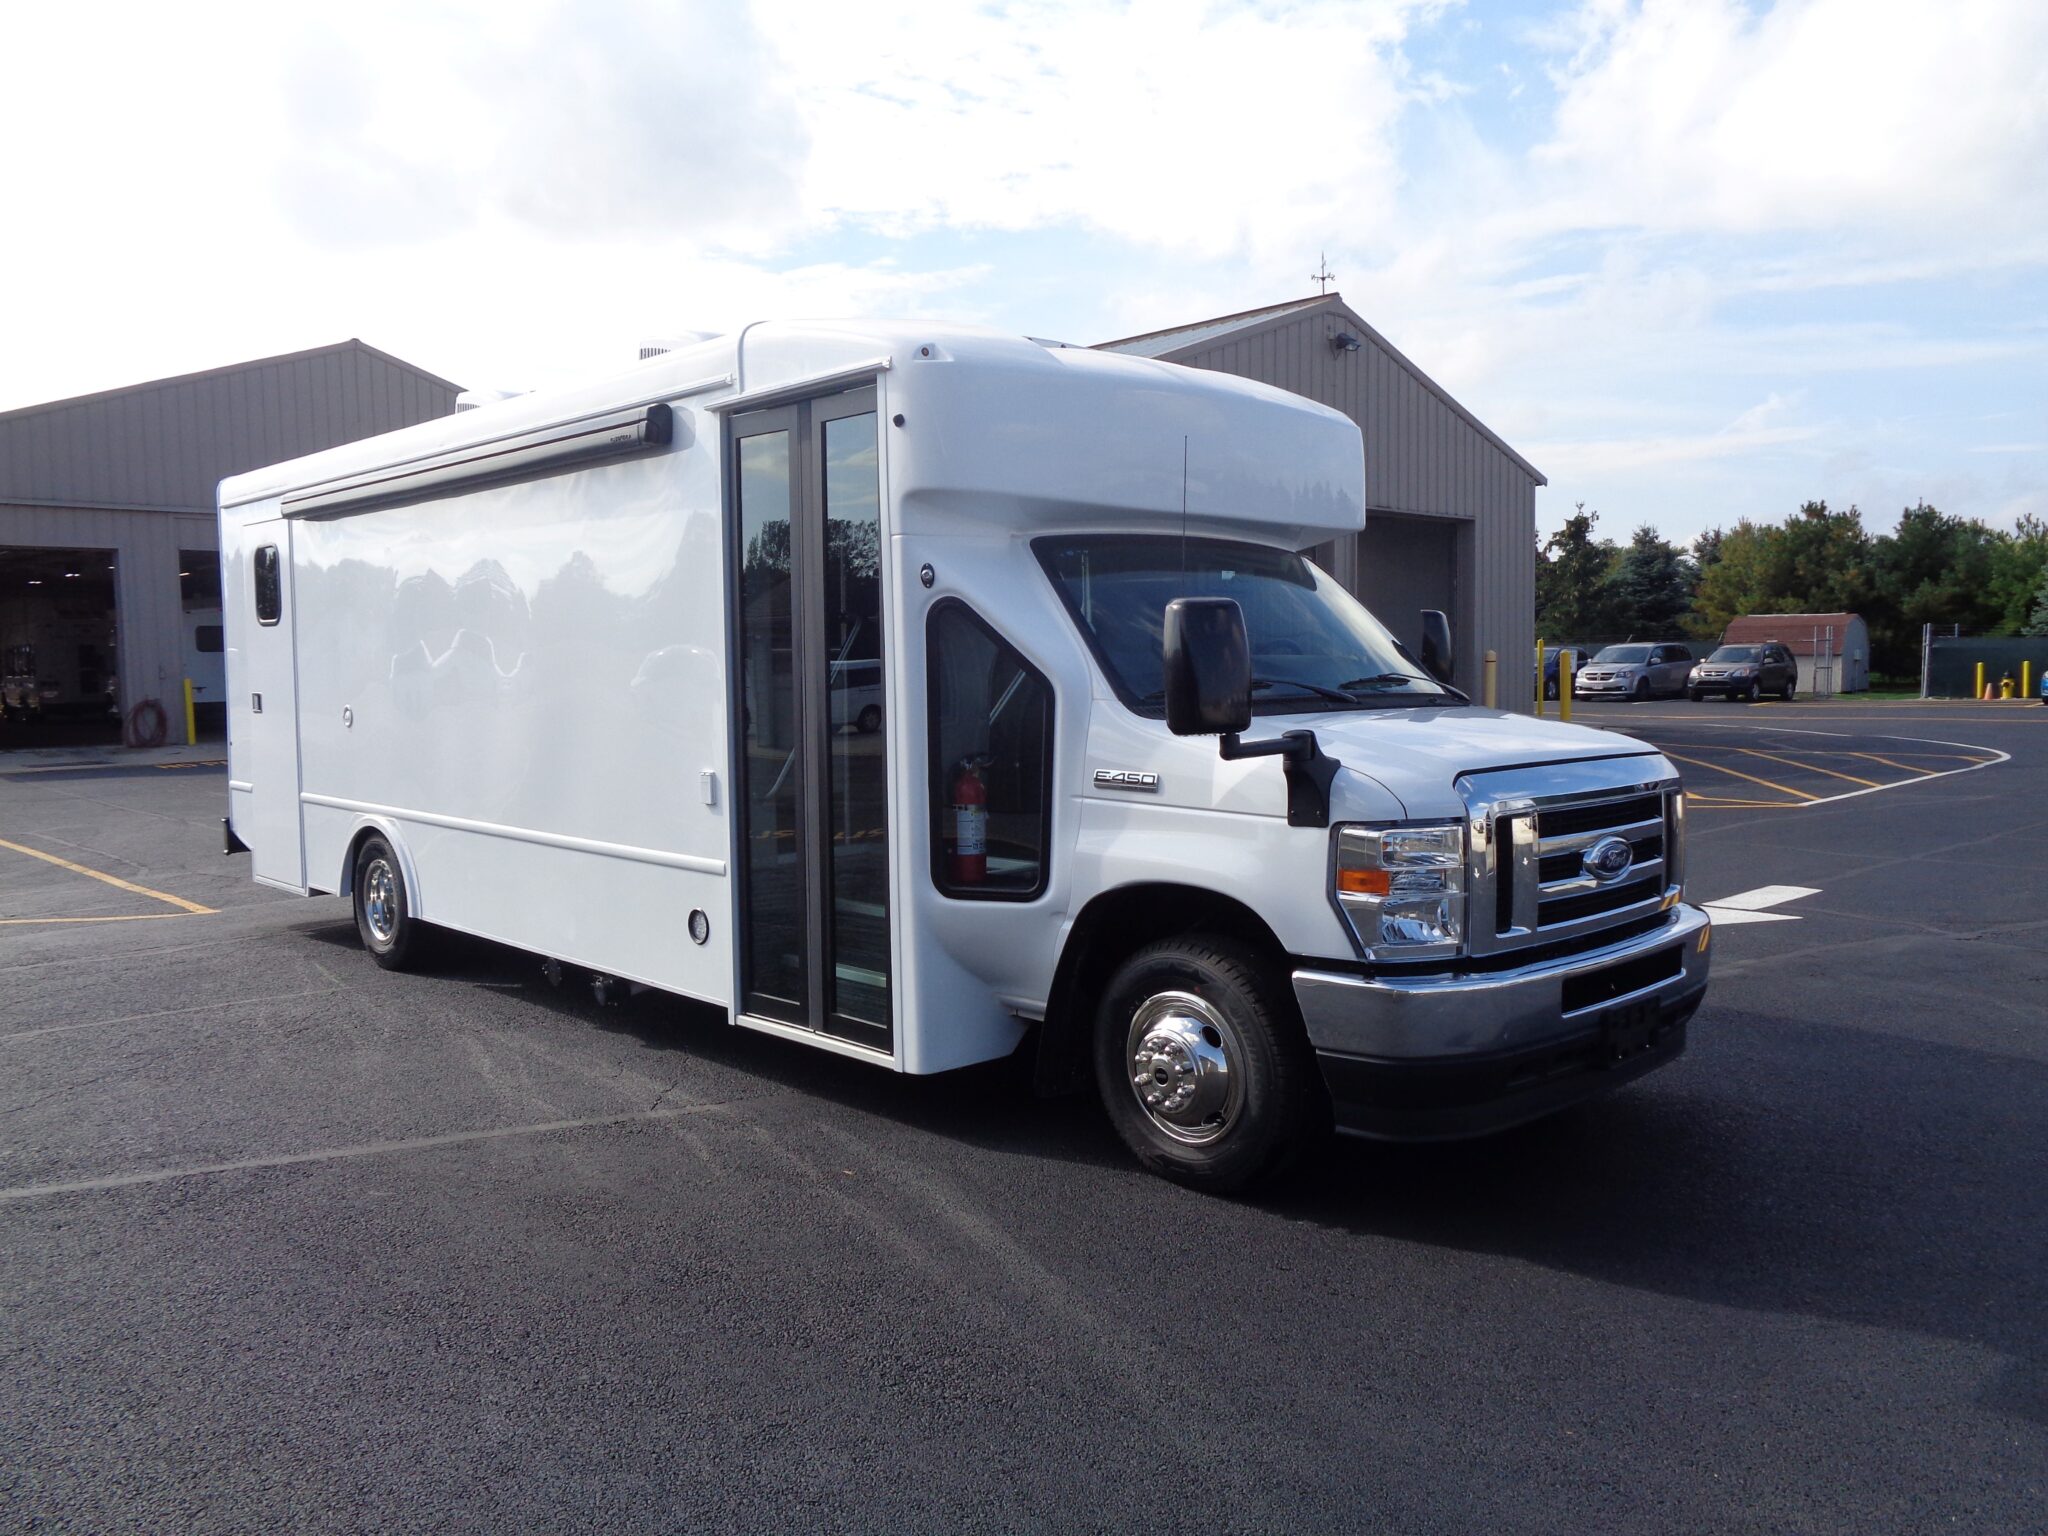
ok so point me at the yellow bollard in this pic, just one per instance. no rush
(1980, 682)
(1492, 693)
(191, 717)
(1565, 663)
(2026, 677)
(1539, 679)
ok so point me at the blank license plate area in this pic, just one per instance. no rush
(1630, 1029)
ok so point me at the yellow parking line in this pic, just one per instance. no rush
(1793, 762)
(1906, 767)
(114, 880)
(135, 917)
(1725, 803)
(1783, 789)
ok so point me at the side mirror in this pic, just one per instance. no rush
(1439, 660)
(1208, 667)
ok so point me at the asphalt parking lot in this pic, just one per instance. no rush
(288, 1241)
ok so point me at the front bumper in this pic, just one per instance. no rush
(1448, 1055)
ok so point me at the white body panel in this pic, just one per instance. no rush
(265, 770)
(526, 687)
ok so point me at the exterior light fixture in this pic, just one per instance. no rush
(1344, 341)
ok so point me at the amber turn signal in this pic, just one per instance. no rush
(1364, 882)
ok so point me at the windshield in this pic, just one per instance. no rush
(1735, 653)
(1314, 647)
(1624, 655)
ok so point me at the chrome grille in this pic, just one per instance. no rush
(1530, 829)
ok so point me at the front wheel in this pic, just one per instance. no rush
(1202, 1064)
(1754, 692)
(1694, 694)
(384, 919)
(1640, 693)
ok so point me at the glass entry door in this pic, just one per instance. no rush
(811, 707)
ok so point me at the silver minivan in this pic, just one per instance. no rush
(1635, 671)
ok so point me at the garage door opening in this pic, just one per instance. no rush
(59, 665)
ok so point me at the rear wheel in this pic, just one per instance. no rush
(384, 919)
(1550, 688)
(1791, 688)
(1202, 1064)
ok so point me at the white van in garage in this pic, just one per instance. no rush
(925, 695)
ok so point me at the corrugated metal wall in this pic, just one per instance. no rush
(1423, 458)
(135, 471)
(168, 444)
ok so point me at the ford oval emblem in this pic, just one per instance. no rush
(1608, 860)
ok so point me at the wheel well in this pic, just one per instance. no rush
(1112, 927)
(347, 883)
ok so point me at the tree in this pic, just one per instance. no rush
(1737, 581)
(1572, 601)
(2019, 566)
(2037, 622)
(1649, 587)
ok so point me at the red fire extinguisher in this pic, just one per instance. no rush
(970, 824)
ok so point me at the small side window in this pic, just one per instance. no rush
(207, 639)
(269, 586)
(991, 761)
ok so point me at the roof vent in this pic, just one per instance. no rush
(471, 399)
(675, 341)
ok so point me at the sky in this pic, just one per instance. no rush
(1697, 261)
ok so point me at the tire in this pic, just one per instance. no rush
(870, 720)
(383, 906)
(1189, 1006)
(1790, 689)
(1694, 694)
(1640, 694)
(1550, 688)
(1754, 692)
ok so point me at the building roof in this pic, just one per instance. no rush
(1795, 631)
(1179, 343)
(1182, 337)
(164, 445)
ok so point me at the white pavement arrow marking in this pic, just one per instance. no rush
(1748, 906)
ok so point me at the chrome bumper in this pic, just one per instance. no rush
(1432, 1017)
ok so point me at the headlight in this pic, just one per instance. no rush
(1402, 889)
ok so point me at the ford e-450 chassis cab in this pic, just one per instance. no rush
(928, 694)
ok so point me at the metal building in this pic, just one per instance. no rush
(1451, 509)
(109, 554)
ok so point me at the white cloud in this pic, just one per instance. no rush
(1927, 119)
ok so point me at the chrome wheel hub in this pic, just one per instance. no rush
(1183, 1057)
(380, 900)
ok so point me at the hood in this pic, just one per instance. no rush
(1417, 755)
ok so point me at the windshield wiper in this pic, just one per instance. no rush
(1383, 677)
(1294, 682)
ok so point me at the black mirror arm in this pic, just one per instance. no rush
(1310, 772)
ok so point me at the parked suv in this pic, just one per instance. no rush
(1634, 672)
(1745, 672)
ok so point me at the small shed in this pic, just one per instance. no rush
(1833, 648)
